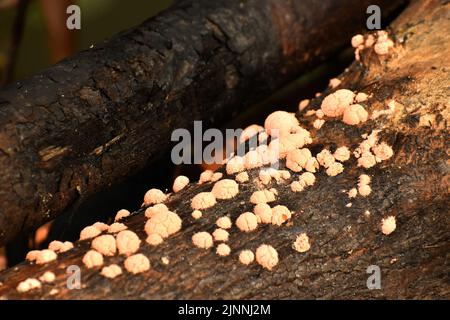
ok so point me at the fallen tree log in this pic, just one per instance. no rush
(413, 186)
(101, 115)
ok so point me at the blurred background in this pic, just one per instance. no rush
(44, 42)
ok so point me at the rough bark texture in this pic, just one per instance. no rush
(90, 121)
(413, 186)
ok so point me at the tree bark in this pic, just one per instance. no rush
(413, 186)
(91, 120)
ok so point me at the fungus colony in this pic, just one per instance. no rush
(287, 141)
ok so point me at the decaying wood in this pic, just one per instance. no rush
(91, 120)
(413, 186)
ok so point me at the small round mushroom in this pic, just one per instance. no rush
(216, 176)
(154, 239)
(45, 256)
(196, 214)
(262, 196)
(224, 222)
(334, 82)
(246, 257)
(335, 169)
(247, 222)
(342, 154)
(318, 123)
(297, 159)
(225, 189)
(364, 190)
(249, 132)
(287, 143)
(307, 179)
(325, 158)
(369, 41)
(28, 284)
(367, 160)
(111, 271)
(202, 240)
(157, 208)
(361, 97)
(267, 256)
(55, 245)
(253, 159)
(223, 250)
(137, 263)
(154, 196)
(382, 152)
(32, 255)
(220, 235)
(335, 104)
(382, 47)
(355, 114)
(388, 225)
(180, 183)
(89, 232)
(100, 226)
(66, 246)
(205, 176)
(280, 214)
(163, 223)
(280, 123)
(105, 244)
(264, 176)
(122, 213)
(297, 186)
(93, 259)
(364, 179)
(303, 104)
(352, 193)
(235, 165)
(203, 200)
(117, 227)
(263, 213)
(312, 165)
(242, 177)
(301, 243)
(127, 242)
(47, 277)
(357, 40)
